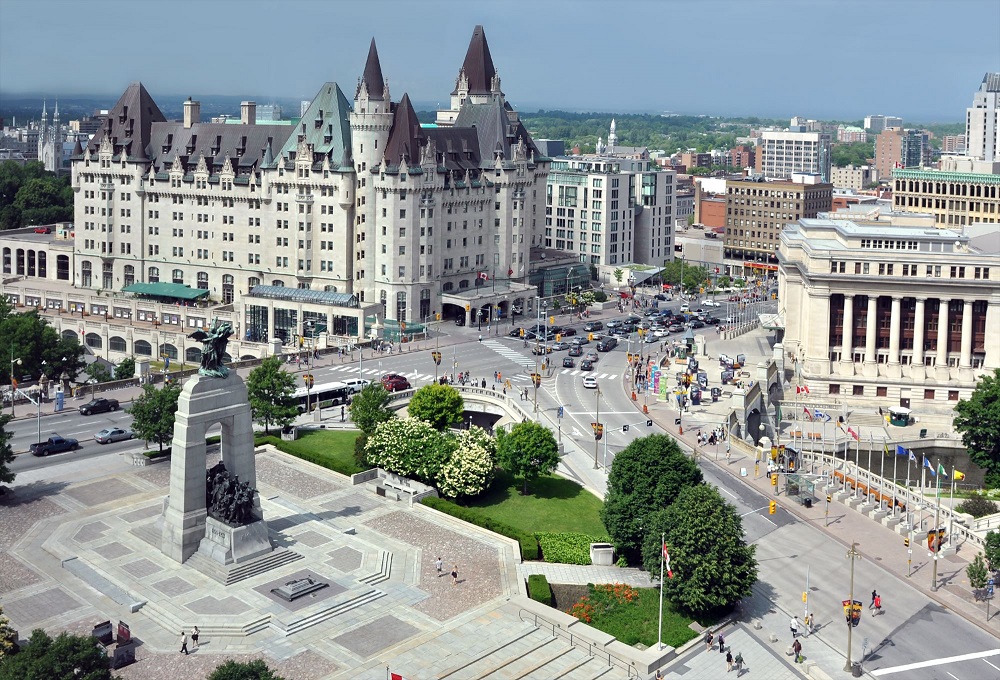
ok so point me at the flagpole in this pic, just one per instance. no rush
(895, 464)
(871, 443)
(923, 481)
(857, 461)
(659, 634)
(937, 518)
(951, 517)
(909, 510)
(881, 474)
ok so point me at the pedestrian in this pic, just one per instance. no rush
(722, 644)
(341, 413)
(484, 383)
(480, 337)
(708, 640)
(194, 636)
(729, 661)
(454, 575)
(878, 605)
(439, 565)
(658, 676)
(794, 626)
(797, 648)
(738, 661)
(184, 642)
(874, 595)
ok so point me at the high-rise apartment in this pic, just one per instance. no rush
(788, 152)
(982, 127)
(875, 124)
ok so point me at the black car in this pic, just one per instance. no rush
(586, 365)
(568, 362)
(460, 321)
(661, 297)
(697, 323)
(567, 332)
(99, 405)
(515, 333)
(607, 344)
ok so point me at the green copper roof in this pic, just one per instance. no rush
(170, 290)
(939, 176)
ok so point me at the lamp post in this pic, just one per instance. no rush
(852, 555)
(13, 380)
(597, 421)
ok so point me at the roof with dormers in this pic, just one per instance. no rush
(243, 145)
(497, 127)
(478, 64)
(325, 125)
(128, 124)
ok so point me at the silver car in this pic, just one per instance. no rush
(113, 434)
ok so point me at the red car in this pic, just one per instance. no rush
(43, 230)
(393, 382)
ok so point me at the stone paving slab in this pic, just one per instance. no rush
(760, 661)
(345, 559)
(14, 575)
(577, 574)
(373, 637)
(102, 491)
(47, 604)
(292, 481)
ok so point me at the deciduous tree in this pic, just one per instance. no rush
(469, 469)
(977, 573)
(6, 452)
(978, 420)
(713, 567)
(270, 389)
(409, 447)
(992, 550)
(69, 657)
(645, 477)
(527, 451)
(440, 405)
(125, 369)
(243, 670)
(153, 413)
(370, 408)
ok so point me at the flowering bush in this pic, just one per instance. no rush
(582, 610)
(469, 469)
(408, 447)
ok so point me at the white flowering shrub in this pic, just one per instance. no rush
(408, 447)
(469, 470)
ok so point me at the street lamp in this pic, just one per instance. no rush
(852, 555)
(597, 424)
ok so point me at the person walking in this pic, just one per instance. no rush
(874, 595)
(194, 636)
(722, 644)
(878, 605)
(729, 661)
(341, 414)
(794, 626)
(184, 643)
(708, 640)
(454, 575)
(439, 565)
(797, 648)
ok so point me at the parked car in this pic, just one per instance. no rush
(43, 230)
(54, 444)
(576, 351)
(113, 434)
(568, 362)
(590, 382)
(607, 344)
(99, 405)
(586, 365)
(593, 326)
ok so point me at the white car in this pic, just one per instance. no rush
(590, 382)
(711, 303)
(356, 384)
(686, 307)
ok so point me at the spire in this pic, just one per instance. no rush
(372, 78)
(478, 64)
(45, 113)
(405, 137)
(268, 159)
(56, 114)
(77, 148)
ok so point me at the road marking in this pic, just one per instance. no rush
(603, 413)
(952, 675)
(935, 662)
(994, 665)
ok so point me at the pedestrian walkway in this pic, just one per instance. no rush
(510, 353)
(578, 574)
(761, 659)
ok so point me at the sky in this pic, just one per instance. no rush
(838, 59)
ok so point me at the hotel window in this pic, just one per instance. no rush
(929, 394)
(858, 391)
(834, 388)
(952, 395)
(982, 272)
(881, 391)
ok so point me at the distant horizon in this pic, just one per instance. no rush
(823, 59)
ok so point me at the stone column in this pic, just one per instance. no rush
(847, 345)
(992, 358)
(941, 360)
(870, 367)
(965, 363)
(917, 370)
(893, 369)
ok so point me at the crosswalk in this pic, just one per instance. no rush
(599, 376)
(374, 372)
(509, 353)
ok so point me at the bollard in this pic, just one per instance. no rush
(645, 409)
(633, 396)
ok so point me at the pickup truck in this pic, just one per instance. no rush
(100, 405)
(54, 444)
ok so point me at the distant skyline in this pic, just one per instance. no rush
(840, 59)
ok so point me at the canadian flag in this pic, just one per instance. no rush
(396, 676)
(854, 434)
(510, 271)
(483, 275)
(802, 389)
(666, 558)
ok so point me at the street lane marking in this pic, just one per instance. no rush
(935, 662)
(994, 665)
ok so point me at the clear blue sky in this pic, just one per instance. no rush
(832, 58)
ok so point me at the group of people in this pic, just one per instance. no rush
(712, 438)
(439, 565)
(731, 660)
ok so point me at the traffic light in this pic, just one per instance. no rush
(536, 379)
(552, 320)
(437, 317)
(521, 332)
(774, 479)
(468, 307)
(829, 498)
(772, 508)
(558, 337)
(561, 411)
(906, 541)
(590, 336)
(598, 430)
(437, 358)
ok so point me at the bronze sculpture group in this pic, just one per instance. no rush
(226, 498)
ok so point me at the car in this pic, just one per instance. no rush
(43, 230)
(99, 405)
(621, 334)
(685, 307)
(661, 332)
(517, 309)
(711, 303)
(586, 365)
(675, 328)
(396, 384)
(559, 346)
(54, 444)
(590, 382)
(567, 332)
(593, 326)
(644, 325)
(592, 356)
(541, 349)
(607, 344)
(390, 377)
(650, 338)
(581, 340)
(697, 323)
(515, 333)
(632, 319)
(460, 321)
(355, 385)
(568, 362)
(113, 434)
(614, 323)
(651, 313)
(714, 320)
(661, 297)
(576, 351)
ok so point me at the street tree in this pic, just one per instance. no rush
(978, 420)
(67, 656)
(440, 405)
(713, 567)
(645, 477)
(370, 408)
(469, 470)
(527, 451)
(243, 670)
(977, 573)
(270, 389)
(98, 371)
(409, 447)
(991, 549)
(6, 453)
(125, 369)
(153, 413)
(619, 275)
(8, 637)
(36, 347)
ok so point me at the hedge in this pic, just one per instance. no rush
(529, 545)
(567, 547)
(539, 590)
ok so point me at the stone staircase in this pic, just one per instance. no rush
(533, 654)
(234, 574)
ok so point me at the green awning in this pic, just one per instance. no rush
(177, 291)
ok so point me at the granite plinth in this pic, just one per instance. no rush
(232, 545)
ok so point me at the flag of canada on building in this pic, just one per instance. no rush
(483, 275)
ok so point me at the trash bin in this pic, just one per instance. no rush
(856, 669)
(808, 502)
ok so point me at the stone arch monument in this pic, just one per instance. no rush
(212, 396)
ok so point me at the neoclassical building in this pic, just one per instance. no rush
(357, 199)
(905, 314)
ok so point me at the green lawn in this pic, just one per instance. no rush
(553, 504)
(634, 621)
(333, 449)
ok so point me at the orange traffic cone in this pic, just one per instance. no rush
(645, 409)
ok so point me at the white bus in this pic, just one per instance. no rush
(322, 395)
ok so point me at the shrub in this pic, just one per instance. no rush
(567, 547)
(469, 470)
(539, 590)
(360, 457)
(600, 296)
(977, 505)
(328, 462)
(529, 546)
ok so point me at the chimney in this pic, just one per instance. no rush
(192, 113)
(248, 113)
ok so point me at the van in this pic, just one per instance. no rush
(607, 344)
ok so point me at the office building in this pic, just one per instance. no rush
(885, 312)
(982, 127)
(955, 198)
(784, 153)
(849, 134)
(878, 123)
(889, 151)
(953, 144)
(851, 177)
(757, 211)
(915, 149)
(742, 157)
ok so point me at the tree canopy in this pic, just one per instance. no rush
(713, 566)
(409, 447)
(694, 276)
(978, 420)
(855, 153)
(440, 405)
(270, 389)
(125, 368)
(527, 451)
(30, 339)
(369, 408)
(646, 476)
(153, 413)
(992, 550)
(29, 194)
(67, 657)
(6, 452)
(469, 469)
(243, 670)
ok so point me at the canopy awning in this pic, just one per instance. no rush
(176, 291)
(901, 410)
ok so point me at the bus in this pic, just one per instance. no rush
(322, 395)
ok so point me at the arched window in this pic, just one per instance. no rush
(252, 281)
(178, 276)
(69, 335)
(168, 350)
(153, 275)
(228, 286)
(7, 262)
(448, 286)
(143, 348)
(463, 284)
(62, 267)
(116, 343)
(42, 262)
(93, 340)
(203, 280)
(279, 283)
(192, 354)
